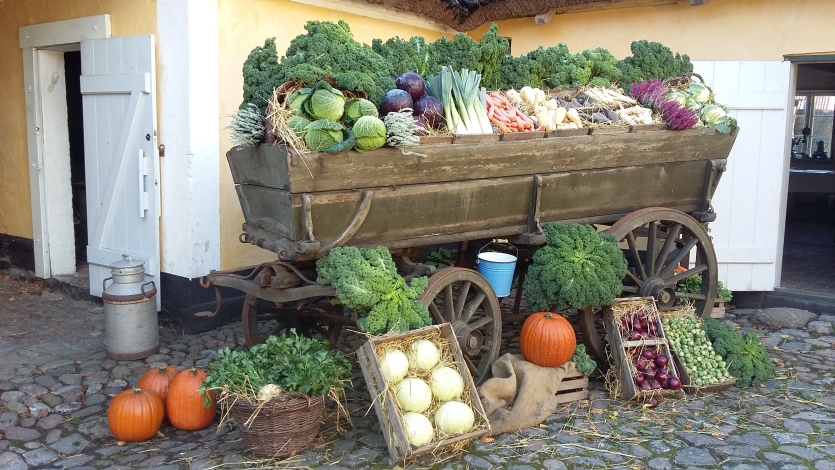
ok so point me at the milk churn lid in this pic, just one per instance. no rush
(127, 265)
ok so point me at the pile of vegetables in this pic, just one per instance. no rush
(652, 370)
(684, 108)
(366, 281)
(745, 356)
(689, 342)
(426, 383)
(577, 267)
(506, 116)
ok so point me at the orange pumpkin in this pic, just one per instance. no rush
(547, 339)
(158, 380)
(135, 415)
(184, 405)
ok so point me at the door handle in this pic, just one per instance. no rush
(144, 197)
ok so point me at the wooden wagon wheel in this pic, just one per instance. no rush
(464, 298)
(656, 241)
(262, 318)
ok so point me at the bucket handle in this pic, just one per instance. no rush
(104, 281)
(151, 292)
(491, 242)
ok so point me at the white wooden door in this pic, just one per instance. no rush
(120, 151)
(748, 230)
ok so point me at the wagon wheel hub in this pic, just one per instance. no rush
(470, 340)
(655, 287)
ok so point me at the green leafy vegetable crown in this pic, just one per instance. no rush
(293, 362)
(747, 359)
(577, 267)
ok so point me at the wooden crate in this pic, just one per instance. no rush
(718, 309)
(388, 412)
(692, 389)
(619, 347)
(572, 388)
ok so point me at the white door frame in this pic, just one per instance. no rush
(784, 184)
(36, 41)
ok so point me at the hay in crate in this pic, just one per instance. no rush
(624, 362)
(385, 403)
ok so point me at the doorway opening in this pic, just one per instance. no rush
(810, 206)
(75, 128)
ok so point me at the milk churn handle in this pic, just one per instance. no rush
(148, 294)
(103, 282)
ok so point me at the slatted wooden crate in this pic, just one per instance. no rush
(619, 348)
(718, 309)
(572, 388)
(387, 410)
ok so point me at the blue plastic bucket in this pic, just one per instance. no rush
(497, 268)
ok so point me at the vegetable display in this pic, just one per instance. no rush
(547, 339)
(746, 358)
(690, 343)
(577, 267)
(366, 280)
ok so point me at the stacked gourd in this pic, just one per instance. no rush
(688, 339)
(421, 384)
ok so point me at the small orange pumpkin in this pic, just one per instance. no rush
(135, 415)
(547, 339)
(158, 380)
(184, 405)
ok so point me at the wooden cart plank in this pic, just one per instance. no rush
(274, 167)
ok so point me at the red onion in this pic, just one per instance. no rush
(639, 379)
(648, 354)
(664, 370)
(636, 336)
(653, 402)
(646, 386)
(640, 363)
(661, 360)
(655, 385)
(661, 377)
(674, 383)
(644, 324)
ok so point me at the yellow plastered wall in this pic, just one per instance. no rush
(128, 18)
(721, 30)
(243, 25)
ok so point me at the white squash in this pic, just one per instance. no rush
(414, 395)
(418, 429)
(446, 383)
(423, 355)
(454, 417)
(394, 365)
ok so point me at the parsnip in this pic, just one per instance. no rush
(552, 104)
(574, 116)
(559, 115)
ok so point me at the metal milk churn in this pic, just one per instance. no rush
(130, 311)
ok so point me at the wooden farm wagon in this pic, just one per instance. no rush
(651, 187)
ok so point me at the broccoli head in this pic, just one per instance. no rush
(366, 280)
(747, 359)
(652, 60)
(577, 267)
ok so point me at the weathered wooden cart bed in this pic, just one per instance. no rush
(653, 188)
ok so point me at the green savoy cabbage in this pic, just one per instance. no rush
(370, 133)
(356, 108)
(325, 102)
(322, 134)
(298, 124)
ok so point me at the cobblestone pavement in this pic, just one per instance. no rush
(56, 382)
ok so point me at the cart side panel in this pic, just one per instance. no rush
(270, 210)
(582, 194)
(272, 167)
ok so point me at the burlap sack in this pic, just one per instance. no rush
(520, 394)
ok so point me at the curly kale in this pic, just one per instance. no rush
(577, 267)
(747, 359)
(262, 74)
(404, 56)
(604, 67)
(532, 69)
(582, 361)
(652, 60)
(488, 54)
(366, 280)
(456, 53)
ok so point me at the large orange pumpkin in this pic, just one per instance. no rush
(184, 405)
(135, 415)
(547, 339)
(158, 380)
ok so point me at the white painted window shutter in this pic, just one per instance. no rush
(747, 230)
(120, 151)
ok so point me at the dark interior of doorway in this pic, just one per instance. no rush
(809, 247)
(75, 125)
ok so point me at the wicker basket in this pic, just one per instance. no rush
(285, 425)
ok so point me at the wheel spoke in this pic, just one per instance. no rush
(449, 306)
(669, 244)
(636, 258)
(634, 278)
(685, 274)
(462, 298)
(651, 239)
(471, 307)
(631, 289)
(436, 314)
(480, 323)
(680, 254)
(687, 295)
